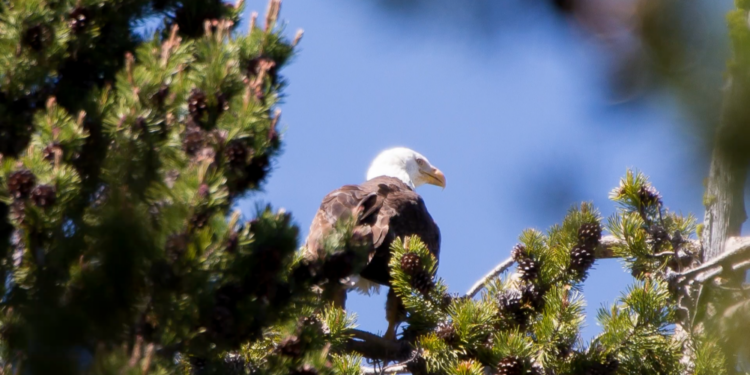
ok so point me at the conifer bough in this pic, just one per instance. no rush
(121, 159)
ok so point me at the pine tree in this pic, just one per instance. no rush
(122, 156)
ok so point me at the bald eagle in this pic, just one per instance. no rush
(392, 209)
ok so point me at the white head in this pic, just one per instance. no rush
(408, 166)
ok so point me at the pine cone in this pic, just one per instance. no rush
(257, 169)
(422, 282)
(197, 105)
(447, 332)
(305, 370)
(44, 195)
(161, 95)
(193, 141)
(581, 258)
(140, 125)
(236, 153)
(233, 242)
(199, 220)
(222, 102)
(79, 19)
(176, 246)
(658, 236)
(290, 346)
(590, 234)
(36, 37)
(510, 366)
(648, 196)
(609, 367)
(510, 300)
(519, 252)
(528, 269)
(511, 306)
(563, 349)
(446, 300)
(411, 264)
(532, 295)
(311, 325)
(20, 183)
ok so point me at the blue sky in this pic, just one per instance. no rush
(519, 119)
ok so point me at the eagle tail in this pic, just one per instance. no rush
(363, 286)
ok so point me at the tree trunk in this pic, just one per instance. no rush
(724, 198)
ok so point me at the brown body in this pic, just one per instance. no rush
(387, 209)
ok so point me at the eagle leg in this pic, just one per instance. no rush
(395, 313)
(336, 293)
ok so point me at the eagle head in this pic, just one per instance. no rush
(408, 166)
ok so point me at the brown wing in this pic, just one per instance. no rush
(387, 209)
(341, 204)
(405, 214)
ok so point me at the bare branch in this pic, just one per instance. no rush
(392, 369)
(375, 347)
(734, 257)
(603, 251)
(479, 285)
(396, 368)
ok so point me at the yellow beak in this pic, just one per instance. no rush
(435, 177)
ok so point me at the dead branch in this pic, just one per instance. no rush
(375, 347)
(735, 257)
(605, 250)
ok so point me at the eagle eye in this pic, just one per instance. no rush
(421, 162)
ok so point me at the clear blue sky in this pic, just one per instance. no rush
(518, 118)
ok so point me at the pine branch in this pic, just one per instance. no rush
(603, 251)
(372, 346)
(735, 257)
(398, 368)
(479, 285)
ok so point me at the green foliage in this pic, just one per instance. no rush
(346, 364)
(638, 330)
(121, 161)
(652, 239)
(122, 158)
(530, 320)
(709, 357)
(424, 308)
